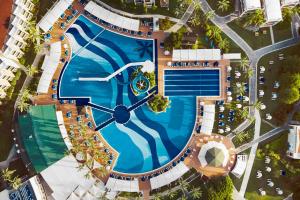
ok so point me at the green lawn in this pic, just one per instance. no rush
(282, 31)
(286, 183)
(214, 5)
(255, 42)
(6, 114)
(265, 127)
(139, 9)
(276, 108)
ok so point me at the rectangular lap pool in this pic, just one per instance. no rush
(200, 82)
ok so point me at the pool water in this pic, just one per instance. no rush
(148, 140)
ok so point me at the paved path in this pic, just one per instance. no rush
(184, 19)
(262, 138)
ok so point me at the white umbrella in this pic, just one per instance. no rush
(262, 193)
(262, 69)
(222, 108)
(169, 64)
(238, 84)
(268, 116)
(229, 68)
(274, 95)
(279, 191)
(227, 129)
(246, 98)
(167, 53)
(261, 93)
(258, 175)
(237, 74)
(270, 183)
(239, 105)
(229, 98)
(221, 131)
(268, 169)
(101, 144)
(263, 107)
(229, 93)
(276, 84)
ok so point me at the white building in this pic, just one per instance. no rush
(14, 43)
(294, 142)
(250, 5)
(273, 12)
(289, 2)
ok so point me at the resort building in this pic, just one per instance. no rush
(250, 5)
(13, 38)
(289, 3)
(294, 141)
(273, 12)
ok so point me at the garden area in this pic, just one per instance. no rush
(273, 169)
(176, 7)
(222, 7)
(278, 85)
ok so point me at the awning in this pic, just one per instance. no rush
(112, 18)
(208, 119)
(273, 11)
(53, 15)
(122, 185)
(168, 177)
(240, 165)
(49, 66)
(210, 145)
(196, 54)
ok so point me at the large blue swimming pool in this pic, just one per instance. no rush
(148, 140)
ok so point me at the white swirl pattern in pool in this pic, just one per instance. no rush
(148, 140)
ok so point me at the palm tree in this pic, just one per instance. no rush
(196, 193)
(172, 194)
(257, 105)
(197, 6)
(209, 15)
(223, 5)
(32, 70)
(195, 21)
(245, 63)
(157, 196)
(34, 32)
(16, 183)
(7, 174)
(184, 186)
(103, 172)
(249, 72)
(23, 106)
(38, 47)
(288, 12)
(239, 90)
(213, 32)
(224, 44)
(255, 18)
(244, 113)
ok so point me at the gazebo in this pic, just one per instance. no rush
(213, 154)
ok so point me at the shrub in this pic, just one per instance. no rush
(158, 103)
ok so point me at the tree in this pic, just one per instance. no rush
(159, 103)
(256, 18)
(34, 33)
(289, 95)
(243, 113)
(209, 15)
(7, 174)
(213, 32)
(157, 197)
(223, 5)
(32, 70)
(16, 182)
(248, 72)
(195, 20)
(172, 194)
(220, 188)
(174, 40)
(196, 193)
(257, 105)
(197, 6)
(183, 186)
(224, 44)
(198, 44)
(288, 12)
(239, 90)
(23, 106)
(245, 63)
(295, 80)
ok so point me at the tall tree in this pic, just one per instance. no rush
(223, 5)
(256, 18)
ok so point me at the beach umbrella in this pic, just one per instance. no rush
(261, 93)
(268, 116)
(276, 84)
(229, 98)
(237, 74)
(274, 95)
(270, 183)
(239, 105)
(229, 68)
(222, 108)
(238, 84)
(221, 131)
(262, 69)
(246, 98)
(268, 169)
(262, 193)
(229, 93)
(227, 129)
(263, 107)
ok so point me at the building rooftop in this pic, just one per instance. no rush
(273, 11)
(251, 4)
(6, 8)
(289, 2)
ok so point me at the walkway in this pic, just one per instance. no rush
(184, 19)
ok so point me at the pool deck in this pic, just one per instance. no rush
(196, 141)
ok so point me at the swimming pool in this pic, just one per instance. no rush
(148, 140)
(200, 82)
